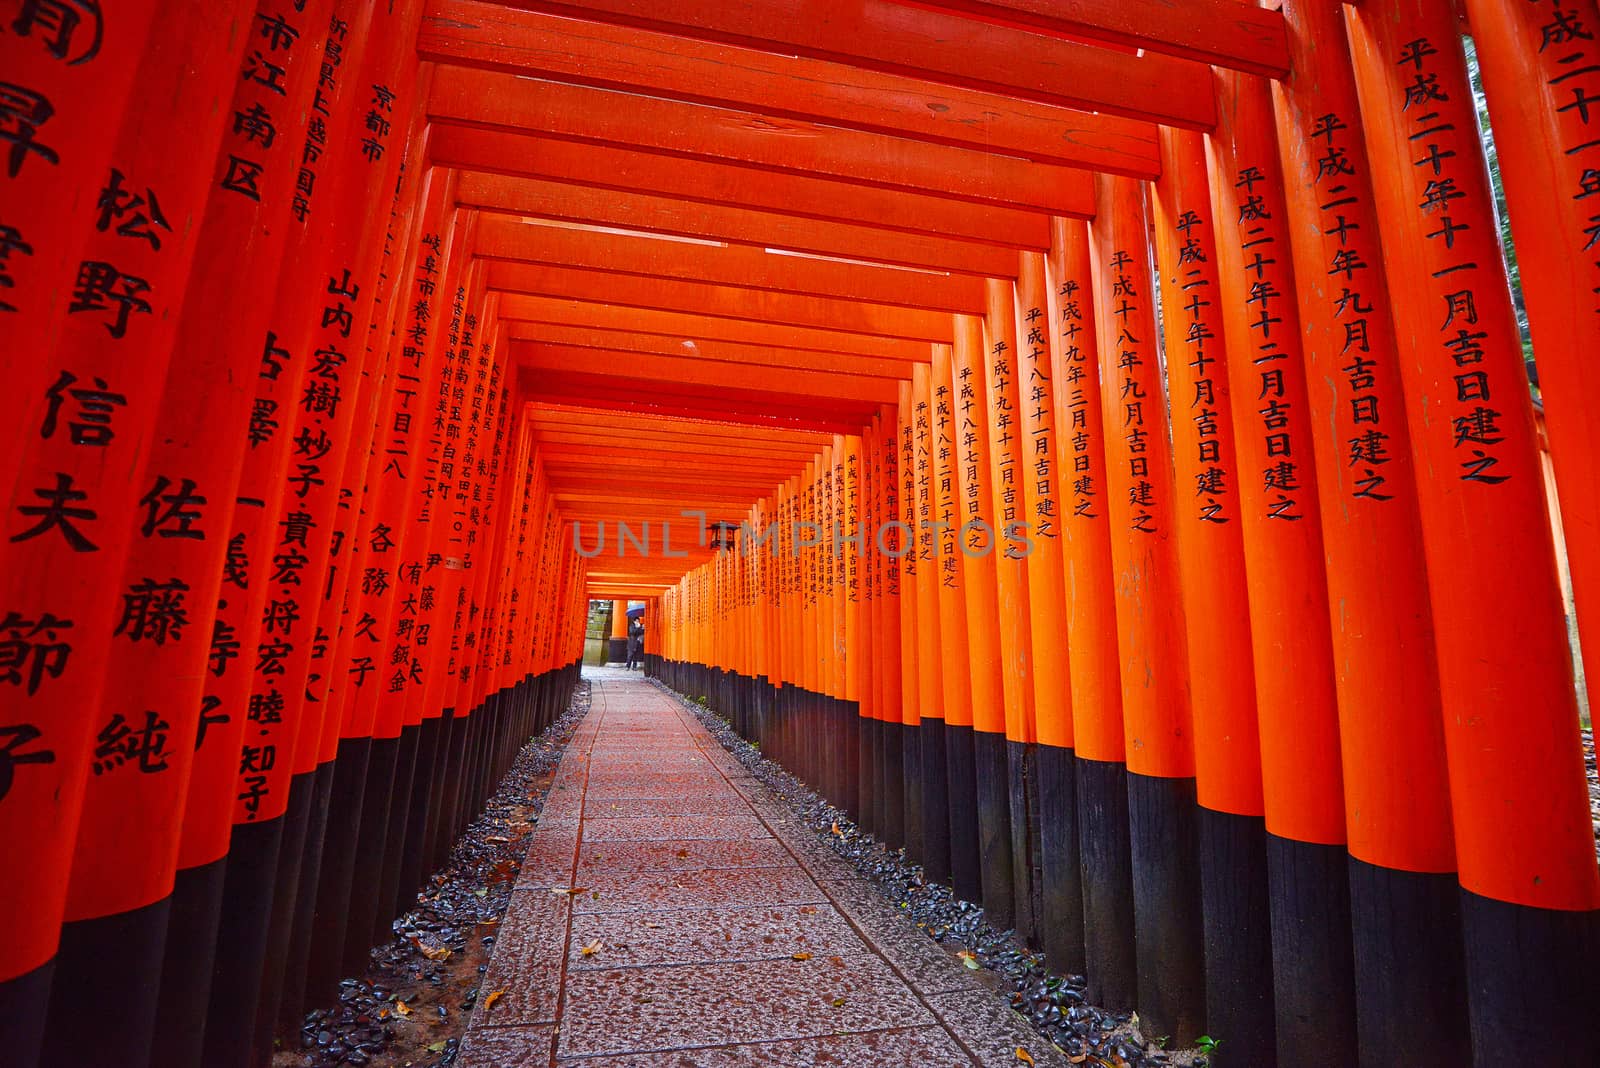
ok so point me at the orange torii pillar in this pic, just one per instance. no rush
(1163, 833)
(1530, 891)
(242, 236)
(254, 692)
(930, 656)
(1539, 79)
(908, 617)
(1011, 544)
(887, 549)
(1292, 646)
(67, 82)
(1403, 901)
(861, 562)
(1053, 797)
(1098, 747)
(84, 761)
(977, 544)
(954, 632)
(1205, 518)
(617, 648)
(375, 583)
(355, 295)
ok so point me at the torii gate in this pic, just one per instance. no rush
(1134, 388)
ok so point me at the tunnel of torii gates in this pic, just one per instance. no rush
(1089, 441)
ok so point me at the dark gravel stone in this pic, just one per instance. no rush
(473, 888)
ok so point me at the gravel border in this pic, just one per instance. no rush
(1053, 1003)
(459, 910)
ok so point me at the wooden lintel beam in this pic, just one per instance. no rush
(932, 45)
(606, 116)
(503, 238)
(473, 33)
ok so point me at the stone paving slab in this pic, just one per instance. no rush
(710, 935)
(672, 913)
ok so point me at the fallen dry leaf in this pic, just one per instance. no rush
(836, 829)
(497, 838)
(838, 1003)
(809, 910)
(402, 1009)
(592, 948)
(801, 956)
(492, 998)
(970, 959)
(431, 952)
(1024, 1056)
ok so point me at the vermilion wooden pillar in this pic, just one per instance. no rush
(1162, 823)
(1206, 524)
(1012, 547)
(931, 658)
(977, 543)
(1397, 791)
(278, 511)
(888, 549)
(1044, 487)
(860, 567)
(1280, 516)
(372, 115)
(245, 224)
(73, 516)
(955, 634)
(1530, 890)
(375, 585)
(909, 620)
(1102, 790)
(67, 80)
(1536, 60)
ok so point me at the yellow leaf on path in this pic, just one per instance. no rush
(592, 948)
(489, 1001)
(970, 959)
(836, 828)
(1024, 1056)
(402, 1009)
(838, 1003)
(802, 956)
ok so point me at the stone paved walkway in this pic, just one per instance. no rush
(666, 910)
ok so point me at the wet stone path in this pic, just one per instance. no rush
(673, 914)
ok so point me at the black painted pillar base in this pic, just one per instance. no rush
(992, 789)
(413, 862)
(1168, 927)
(1104, 851)
(1023, 795)
(1238, 939)
(1060, 919)
(397, 834)
(911, 781)
(1533, 976)
(103, 1002)
(891, 786)
(965, 859)
(290, 983)
(190, 954)
(247, 892)
(366, 873)
(23, 1003)
(867, 801)
(847, 758)
(935, 800)
(1313, 963)
(330, 921)
(1411, 994)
